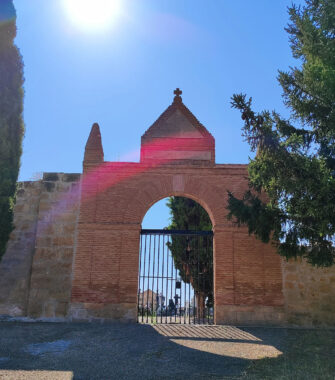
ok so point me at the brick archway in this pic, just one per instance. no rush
(177, 158)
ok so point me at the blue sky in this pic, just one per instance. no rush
(124, 77)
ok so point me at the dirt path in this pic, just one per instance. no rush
(118, 351)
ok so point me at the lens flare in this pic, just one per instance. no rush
(92, 14)
(112, 173)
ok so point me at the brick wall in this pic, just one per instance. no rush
(247, 273)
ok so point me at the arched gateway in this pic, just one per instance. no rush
(74, 252)
(177, 159)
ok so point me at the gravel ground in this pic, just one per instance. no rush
(36, 351)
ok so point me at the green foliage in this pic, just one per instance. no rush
(193, 256)
(11, 123)
(186, 214)
(295, 164)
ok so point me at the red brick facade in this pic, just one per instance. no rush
(116, 196)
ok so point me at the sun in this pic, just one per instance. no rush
(92, 15)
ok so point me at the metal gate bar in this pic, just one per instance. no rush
(175, 282)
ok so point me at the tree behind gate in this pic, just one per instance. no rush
(193, 256)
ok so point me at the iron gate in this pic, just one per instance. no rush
(175, 281)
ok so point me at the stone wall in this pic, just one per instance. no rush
(309, 294)
(15, 266)
(36, 270)
(50, 286)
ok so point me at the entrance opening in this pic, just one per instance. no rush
(175, 281)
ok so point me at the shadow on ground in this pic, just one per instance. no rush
(119, 351)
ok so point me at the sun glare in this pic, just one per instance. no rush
(92, 14)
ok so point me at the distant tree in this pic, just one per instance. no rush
(295, 164)
(193, 256)
(11, 122)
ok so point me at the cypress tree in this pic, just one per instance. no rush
(11, 121)
(295, 158)
(193, 258)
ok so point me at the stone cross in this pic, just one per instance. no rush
(177, 92)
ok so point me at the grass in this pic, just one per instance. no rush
(307, 355)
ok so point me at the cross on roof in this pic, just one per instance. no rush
(177, 92)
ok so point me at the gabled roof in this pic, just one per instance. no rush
(177, 120)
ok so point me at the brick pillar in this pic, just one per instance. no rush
(247, 279)
(106, 272)
(223, 272)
